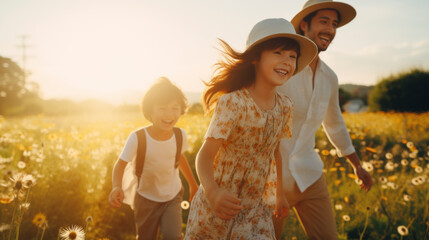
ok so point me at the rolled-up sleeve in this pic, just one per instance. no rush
(335, 126)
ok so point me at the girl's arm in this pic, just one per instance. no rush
(282, 206)
(189, 176)
(117, 195)
(225, 204)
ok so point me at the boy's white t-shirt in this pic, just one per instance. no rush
(160, 180)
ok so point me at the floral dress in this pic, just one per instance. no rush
(244, 165)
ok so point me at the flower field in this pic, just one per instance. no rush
(55, 176)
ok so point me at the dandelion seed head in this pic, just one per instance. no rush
(415, 181)
(407, 197)
(21, 164)
(389, 156)
(338, 207)
(185, 205)
(418, 169)
(383, 179)
(333, 152)
(392, 185)
(346, 218)
(410, 144)
(390, 166)
(402, 230)
(367, 166)
(404, 162)
(89, 219)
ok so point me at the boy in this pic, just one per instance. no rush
(159, 189)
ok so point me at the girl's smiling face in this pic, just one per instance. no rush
(276, 66)
(165, 116)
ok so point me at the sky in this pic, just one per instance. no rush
(113, 50)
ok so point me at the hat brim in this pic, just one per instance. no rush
(347, 13)
(308, 49)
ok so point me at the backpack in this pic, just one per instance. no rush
(133, 171)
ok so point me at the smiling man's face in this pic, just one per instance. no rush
(322, 28)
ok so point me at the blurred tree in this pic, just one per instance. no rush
(344, 97)
(17, 96)
(404, 92)
(12, 84)
(196, 108)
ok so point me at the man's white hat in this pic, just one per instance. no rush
(347, 12)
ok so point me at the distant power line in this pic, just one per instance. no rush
(24, 46)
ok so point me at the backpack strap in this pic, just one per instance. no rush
(179, 139)
(141, 149)
(141, 152)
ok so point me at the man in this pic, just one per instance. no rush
(314, 93)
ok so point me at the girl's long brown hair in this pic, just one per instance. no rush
(237, 69)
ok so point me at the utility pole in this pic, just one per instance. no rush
(24, 48)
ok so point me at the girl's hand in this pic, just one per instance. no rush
(282, 207)
(224, 204)
(116, 197)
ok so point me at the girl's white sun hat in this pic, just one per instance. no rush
(279, 27)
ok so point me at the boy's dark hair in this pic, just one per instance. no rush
(310, 16)
(161, 92)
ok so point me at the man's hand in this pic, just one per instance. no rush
(224, 204)
(364, 176)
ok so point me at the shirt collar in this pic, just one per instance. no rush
(320, 67)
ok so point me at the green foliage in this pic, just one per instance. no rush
(357, 91)
(404, 92)
(196, 108)
(12, 84)
(344, 97)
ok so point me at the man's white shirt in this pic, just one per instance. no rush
(312, 107)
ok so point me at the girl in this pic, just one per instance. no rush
(235, 164)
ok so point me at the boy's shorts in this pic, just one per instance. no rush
(150, 214)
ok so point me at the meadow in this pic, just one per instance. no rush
(55, 176)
